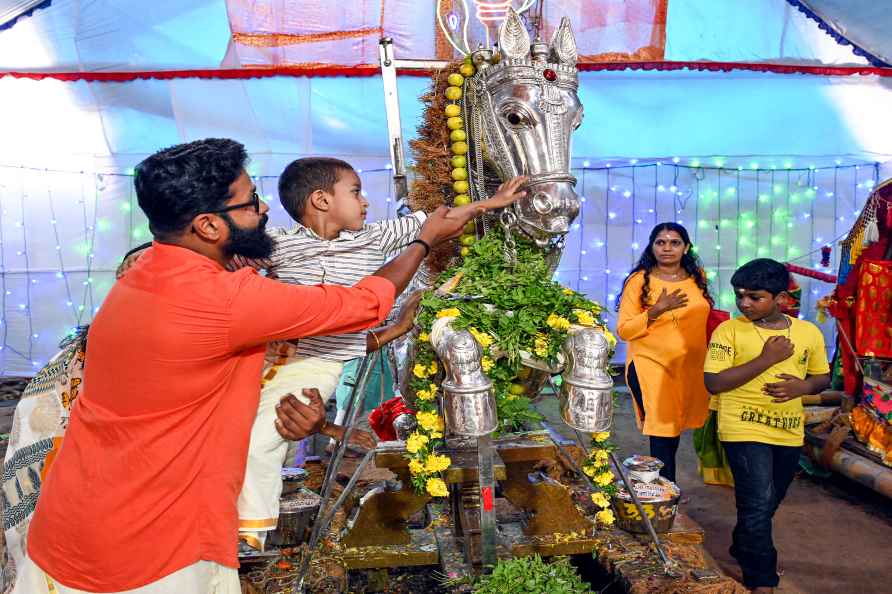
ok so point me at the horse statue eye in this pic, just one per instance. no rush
(514, 119)
(542, 204)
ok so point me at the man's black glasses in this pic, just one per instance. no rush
(255, 202)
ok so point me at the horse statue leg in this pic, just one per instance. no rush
(586, 394)
(469, 404)
(586, 399)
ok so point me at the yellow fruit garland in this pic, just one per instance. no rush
(425, 466)
(459, 147)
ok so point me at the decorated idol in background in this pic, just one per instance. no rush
(466, 23)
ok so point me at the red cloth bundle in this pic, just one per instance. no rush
(716, 317)
(381, 419)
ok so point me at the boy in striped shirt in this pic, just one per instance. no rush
(329, 243)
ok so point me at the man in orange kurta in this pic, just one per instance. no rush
(145, 485)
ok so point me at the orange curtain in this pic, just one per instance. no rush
(274, 33)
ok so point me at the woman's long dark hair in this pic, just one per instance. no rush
(689, 261)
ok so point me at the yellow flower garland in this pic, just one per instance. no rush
(483, 338)
(421, 371)
(584, 318)
(415, 442)
(540, 346)
(597, 466)
(437, 463)
(452, 312)
(425, 466)
(558, 322)
(436, 487)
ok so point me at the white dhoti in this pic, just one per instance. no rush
(284, 373)
(203, 577)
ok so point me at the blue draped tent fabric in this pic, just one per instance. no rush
(13, 10)
(863, 24)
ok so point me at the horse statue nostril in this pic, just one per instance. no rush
(559, 225)
(542, 203)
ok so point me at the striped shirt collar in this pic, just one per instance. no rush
(344, 235)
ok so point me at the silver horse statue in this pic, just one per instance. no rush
(520, 109)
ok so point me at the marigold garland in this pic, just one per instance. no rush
(425, 466)
(597, 468)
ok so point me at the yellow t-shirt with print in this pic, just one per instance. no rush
(746, 413)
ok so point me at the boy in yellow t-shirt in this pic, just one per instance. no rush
(758, 366)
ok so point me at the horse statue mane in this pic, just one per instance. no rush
(497, 326)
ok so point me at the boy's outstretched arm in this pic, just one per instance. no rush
(507, 193)
(776, 349)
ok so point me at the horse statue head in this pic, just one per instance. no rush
(520, 110)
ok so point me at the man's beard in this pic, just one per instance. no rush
(249, 243)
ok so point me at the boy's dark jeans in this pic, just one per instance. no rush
(762, 473)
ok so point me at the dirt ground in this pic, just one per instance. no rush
(833, 536)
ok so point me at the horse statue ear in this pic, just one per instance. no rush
(514, 41)
(563, 44)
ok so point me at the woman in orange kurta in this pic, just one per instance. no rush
(662, 315)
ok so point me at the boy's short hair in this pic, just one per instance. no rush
(303, 177)
(762, 274)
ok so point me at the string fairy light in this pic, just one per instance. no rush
(740, 211)
(617, 195)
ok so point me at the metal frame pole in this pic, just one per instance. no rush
(667, 564)
(394, 126)
(353, 408)
(486, 483)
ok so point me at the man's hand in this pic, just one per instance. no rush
(792, 387)
(407, 312)
(777, 349)
(444, 224)
(378, 337)
(358, 438)
(297, 420)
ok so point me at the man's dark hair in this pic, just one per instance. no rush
(176, 184)
(139, 248)
(303, 177)
(762, 274)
